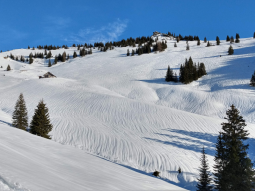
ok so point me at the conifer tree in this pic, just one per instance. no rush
(236, 173)
(204, 179)
(128, 54)
(217, 40)
(19, 116)
(187, 47)
(252, 82)
(8, 68)
(133, 53)
(198, 42)
(227, 39)
(230, 50)
(169, 74)
(254, 35)
(208, 44)
(40, 124)
(64, 57)
(220, 163)
(237, 38)
(205, 40)
(31, 58)
(49, 64)
(74, 54)
(56, 59)
(178, 39)
(231, 39)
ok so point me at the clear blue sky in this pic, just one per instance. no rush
(59, 22)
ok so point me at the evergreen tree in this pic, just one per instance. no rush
(178, 39)
(198, 42)
(217, 40)
(56, 59)
(237, 173)
(49, 64)
(220, 163)
(230, 50)
(64, 57)
(204, 179)
(237, 38)
(231, 39)
(227, 39)
(31, 58)
(133, 53)
(40, 124)
(169, 74)
(208, 44)
(74, 54)
(19, 116)
(128, 54)
(187, 47)
(252, 82)
(205, 40)
(254, 35)
(8, 68)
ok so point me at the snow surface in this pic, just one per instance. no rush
(120, 108)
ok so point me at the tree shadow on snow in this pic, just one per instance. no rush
(1, 121)
(189, 140)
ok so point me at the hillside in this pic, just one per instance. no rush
(120, 108)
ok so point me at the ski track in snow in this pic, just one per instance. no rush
(121, 109)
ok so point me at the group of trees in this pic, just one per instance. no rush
(148, 48)
(189, 72)
(40, 124)
(233, 169)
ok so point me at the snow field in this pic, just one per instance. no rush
(121, 109)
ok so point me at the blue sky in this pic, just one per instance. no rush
(61, 22)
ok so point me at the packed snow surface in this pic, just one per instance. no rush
(120, 109)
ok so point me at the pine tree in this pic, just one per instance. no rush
(205, 40)
(128, 54)
(227, 39)
(19, 116)
(208, 44)
(217, 40)
(64, 57)
(198, 42)
(187, 47)
(40, 124)
(236, 173)
(204, 179)
(178, 39)
(74, 54)
(254, 35)
(252, 82)
(169, 74)
(237, 38)
(56, 59)
(49, 64)
(232, 39)
(220, 163)
(133, 53)
(31, 58)
(230, 50)
(8, 68)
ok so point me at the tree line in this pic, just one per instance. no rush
(40, 124)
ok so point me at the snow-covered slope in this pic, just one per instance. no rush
(32, 163)
(121, 109)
